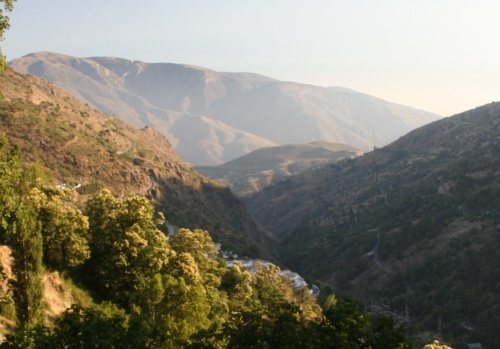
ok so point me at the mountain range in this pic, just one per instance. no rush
(414, 222)
(213, 117)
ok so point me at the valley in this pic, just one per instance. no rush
(289, 196)
(428, 204)
(414, 222)
(253, 172)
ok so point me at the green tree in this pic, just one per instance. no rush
(238, 284)
(10, 173)
(185, 308)
(197, 255)
(98, 327)
(6, 6)
(127, 249)
(344, 325)
(201, 247)
(276, 289)
(20, 227)
(30, 337)
(64, 228)
(26, 241)
(436, 345)
(267, 311)
(385, 334)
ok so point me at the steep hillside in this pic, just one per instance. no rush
(415, 222)
(262, 167)
(212, 117)
(82, 148)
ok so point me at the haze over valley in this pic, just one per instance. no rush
(249, 175)
(355, 218)
(211, 117)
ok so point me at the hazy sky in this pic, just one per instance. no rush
(437, 55)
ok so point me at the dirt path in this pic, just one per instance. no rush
(374, 254)
(130, 147)
(70, 142)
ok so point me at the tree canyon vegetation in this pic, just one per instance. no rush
(148, 291)
(106, 250)
(110, 240)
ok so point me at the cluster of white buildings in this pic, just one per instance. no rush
(249, 264)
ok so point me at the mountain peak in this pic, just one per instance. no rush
(251, 110)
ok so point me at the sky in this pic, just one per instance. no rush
(441, 56)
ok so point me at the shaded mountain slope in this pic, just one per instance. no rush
(263, 167)
(82, 148)
(230, 113)
(416, 221)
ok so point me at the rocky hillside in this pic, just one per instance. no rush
(415, 222)
(82, 148)
(212, 117)
(262, 167)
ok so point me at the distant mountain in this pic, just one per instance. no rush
(415, 223)
(212, 117)
(262, 167)
(84, 149)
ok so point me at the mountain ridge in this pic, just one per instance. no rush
(261, 110)
(84, 149)
(260, 168)
(415, 222)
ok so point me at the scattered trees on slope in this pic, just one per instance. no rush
(155, 293)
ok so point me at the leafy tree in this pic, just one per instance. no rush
(196, 254)
(238, 284)
(276, 289)
(385, 334)
(200, 246)
(259, 327)
(20, 227)
(6, 6)
(344, 325)
(248, 329)
(267, 311)
(271, 286)
(64, 228)
(186, 309)
(171, 312)
(436, 345)
(29, 337)
(26, 241)
(10, 173)
(98, 327)
(127, 249)
(183, 265)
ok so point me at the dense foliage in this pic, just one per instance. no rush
(5, 6)
(150, 291)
